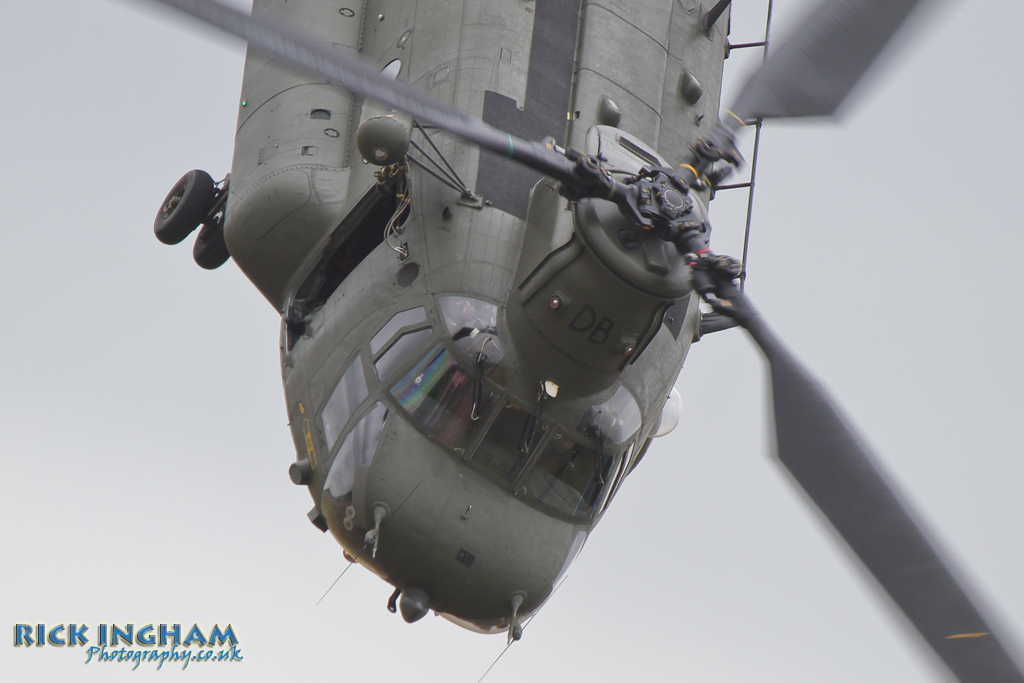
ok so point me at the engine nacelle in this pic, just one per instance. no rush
(289, 175)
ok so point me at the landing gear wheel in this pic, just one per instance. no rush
(185, 207)
(210, 250)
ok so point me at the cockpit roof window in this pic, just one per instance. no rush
(397, 322)
(473, 327)
(399, 352)
(464, 313)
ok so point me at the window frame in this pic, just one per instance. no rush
(352, 362)
(424, 321)
(402, 367)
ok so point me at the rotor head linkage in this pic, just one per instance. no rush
(720, 145)
(656, 199)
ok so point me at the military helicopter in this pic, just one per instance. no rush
(384, 532)
(519, 386)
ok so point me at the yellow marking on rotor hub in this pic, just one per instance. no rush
(967, 635)
(691, 169)
(742, 122)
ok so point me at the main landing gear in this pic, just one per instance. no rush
(193, 201)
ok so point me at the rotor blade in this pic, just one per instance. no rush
(359, 75)
(814, 70)
(845, 482)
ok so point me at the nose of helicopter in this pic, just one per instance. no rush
(421, 518)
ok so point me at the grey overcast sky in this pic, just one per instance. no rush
(143, 430)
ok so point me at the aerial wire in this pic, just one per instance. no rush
(528, 622)
(339, 578)
(496, 660)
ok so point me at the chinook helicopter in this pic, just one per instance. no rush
(431, 423)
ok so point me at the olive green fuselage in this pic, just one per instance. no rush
(478, 384)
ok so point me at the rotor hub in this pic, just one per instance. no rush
(642, 258)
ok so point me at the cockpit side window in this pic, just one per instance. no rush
(569, 476)
(350, 392)
(622, 469)
(616, 419)
(444, 399)
(357, 450)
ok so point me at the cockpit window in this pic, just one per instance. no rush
(399, 352)
(463, 313)
(357, 450)
(397, 322)
(569, 476)
(473, 326)
(506, 447)
(622, 469)
(350, 392)
(616, 419)
(444, 399)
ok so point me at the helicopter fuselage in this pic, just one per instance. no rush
(472, 364)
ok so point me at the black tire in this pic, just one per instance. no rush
(210, 250)
(185, 207)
